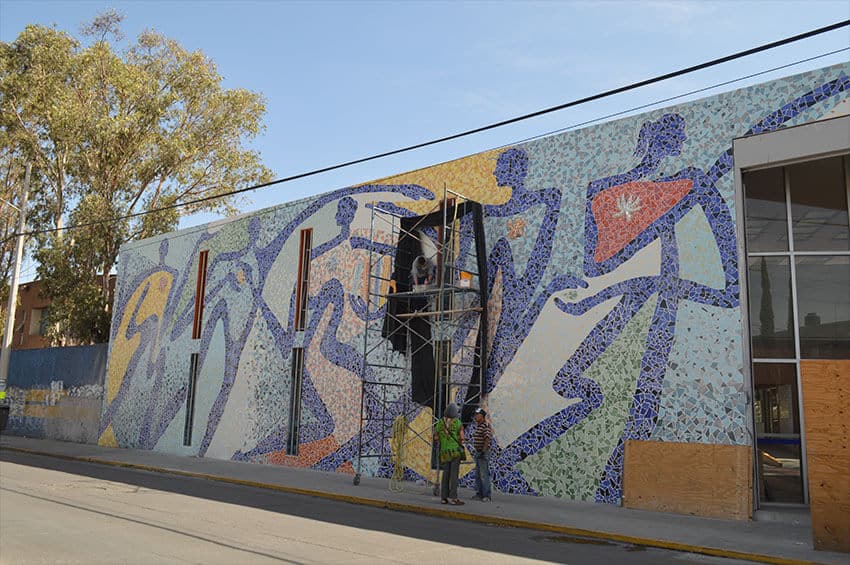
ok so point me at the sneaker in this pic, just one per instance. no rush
(486, 499)
(477, 497)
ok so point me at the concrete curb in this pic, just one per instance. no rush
(438, 512)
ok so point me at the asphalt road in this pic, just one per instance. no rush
(56, 511)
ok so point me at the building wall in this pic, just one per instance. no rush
(614, 306)
(57, 393)
(29, 329)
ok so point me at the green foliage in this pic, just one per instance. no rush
(79, 311)
(112, 133)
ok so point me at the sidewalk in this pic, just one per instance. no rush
(768, 542)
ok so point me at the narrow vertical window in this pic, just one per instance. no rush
(200, 290)
(303, 283)
(190, 399)
(295, 400)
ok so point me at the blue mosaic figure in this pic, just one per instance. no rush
(522, 297)
(656, 140)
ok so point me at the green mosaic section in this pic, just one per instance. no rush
(571, 466)
(699, 258)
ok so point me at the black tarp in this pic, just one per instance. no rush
(396, 329)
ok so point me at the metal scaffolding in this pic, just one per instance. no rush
(444, 321)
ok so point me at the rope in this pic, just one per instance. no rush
(397, 442)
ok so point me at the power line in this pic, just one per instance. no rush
(577, 102)
(671, 98)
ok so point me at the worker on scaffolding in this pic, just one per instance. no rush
(421, 278)
(422, 272)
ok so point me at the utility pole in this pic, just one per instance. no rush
(13, 290)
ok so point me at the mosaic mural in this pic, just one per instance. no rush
(613, 303)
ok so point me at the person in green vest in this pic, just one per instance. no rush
(449, 435)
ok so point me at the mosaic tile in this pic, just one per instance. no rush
(572, 466)
(614, 311)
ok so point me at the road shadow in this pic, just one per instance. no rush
(487, 537)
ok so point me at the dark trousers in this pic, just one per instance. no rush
(448, 485)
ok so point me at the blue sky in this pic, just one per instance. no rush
(344, 80)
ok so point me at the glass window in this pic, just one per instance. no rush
(766, 211)
(771, 314)
(777, 419)
(819, 205)
(190, 399)
(42, 324)
(823, 303)
(776, 398)
(36, 321)
(296, 385)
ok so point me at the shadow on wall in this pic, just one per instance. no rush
(56, 393)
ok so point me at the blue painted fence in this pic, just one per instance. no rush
(57, 393)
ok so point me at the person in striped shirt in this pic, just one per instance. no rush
(481, 439)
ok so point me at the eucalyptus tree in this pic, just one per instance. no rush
(115, 129)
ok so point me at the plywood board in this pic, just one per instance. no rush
(689, 478)
(826, 411)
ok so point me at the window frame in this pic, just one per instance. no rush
(200, 292)
(191, 392)
(807, 142)
(302, 284)
(296, 386)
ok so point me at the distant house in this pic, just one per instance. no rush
(31, 315)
